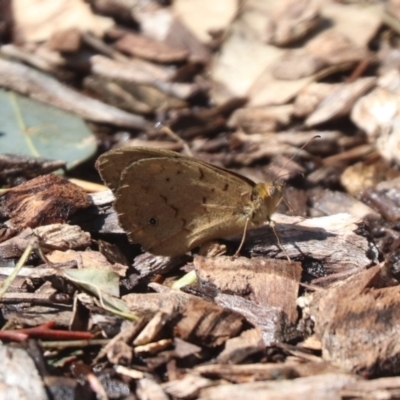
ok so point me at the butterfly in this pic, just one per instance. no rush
(171, 203)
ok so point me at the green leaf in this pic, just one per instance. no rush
(39, 130)
(104, 285)
(94, 280)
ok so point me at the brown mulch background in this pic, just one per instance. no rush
(309, 309)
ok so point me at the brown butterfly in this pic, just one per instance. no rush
(171, 203)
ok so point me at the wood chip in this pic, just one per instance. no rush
(358, 305)
(188, 387)
(44, 200)
(149, 49)
(325, 387)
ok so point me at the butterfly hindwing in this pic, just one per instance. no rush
(172, 204)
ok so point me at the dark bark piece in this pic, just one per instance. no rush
(101, 217)
(60, 384)
(358, 322)
(149, 265)
(263, 291)
(15, 169)
(15, 246)
(271, 320)
(200, 321)
(383, 204)
(333, 240)
(113, 349)
(273, 283)
(38, 315)
(44, 200)
(5, 20)
(204, 122)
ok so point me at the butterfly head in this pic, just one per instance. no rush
(267, 197)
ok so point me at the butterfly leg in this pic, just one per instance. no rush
(243, 238)
(272, 225)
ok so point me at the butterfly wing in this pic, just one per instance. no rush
(113, 163)
(170, 205)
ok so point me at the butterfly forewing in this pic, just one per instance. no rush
(112, 164)
(172, 204)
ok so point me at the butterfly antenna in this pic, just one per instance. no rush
(296, 154)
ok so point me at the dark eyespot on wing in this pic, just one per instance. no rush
(226, 187)
(153, 221)
(204, 199)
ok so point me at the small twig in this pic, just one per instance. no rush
(9, 280)
(178, 139)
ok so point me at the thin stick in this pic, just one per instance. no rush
(174, 136)
(9, 280)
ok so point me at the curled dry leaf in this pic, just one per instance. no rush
(16, 168)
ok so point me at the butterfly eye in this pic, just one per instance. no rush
(153, 221)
